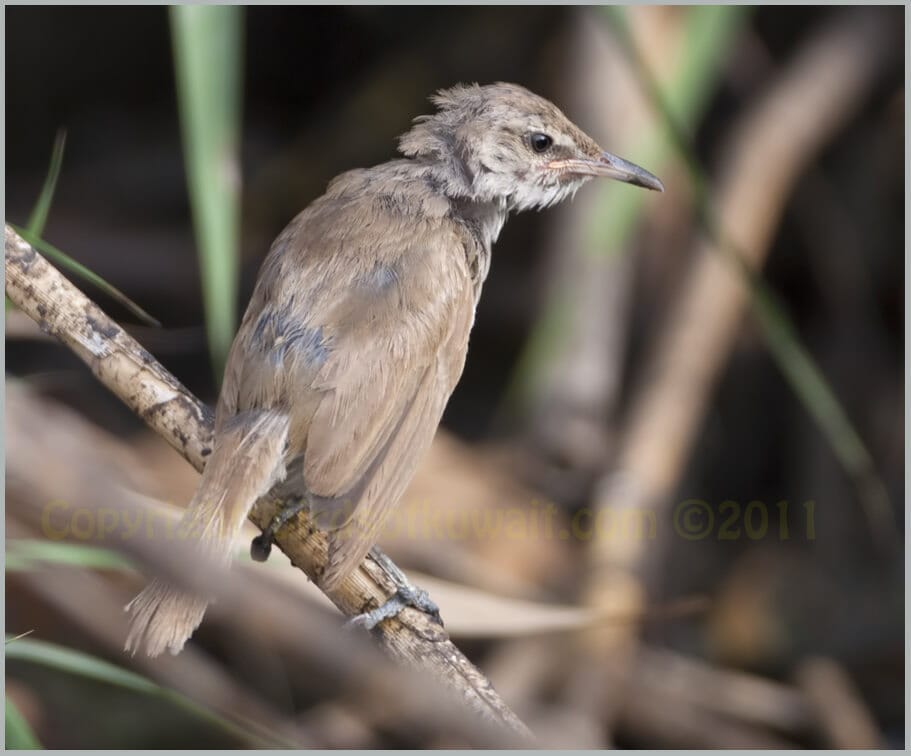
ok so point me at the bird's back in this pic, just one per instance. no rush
(358, 329)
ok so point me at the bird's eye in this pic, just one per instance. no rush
(540, 142)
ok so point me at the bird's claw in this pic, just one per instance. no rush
(405, 596)
(261, 546)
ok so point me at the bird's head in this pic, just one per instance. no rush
(501, 142)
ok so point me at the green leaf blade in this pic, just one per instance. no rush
(90, 667)
(63, 260)
(29, 554)
(208, 51)
(37, 220)
(19, 733)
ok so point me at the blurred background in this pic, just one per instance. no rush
(665, 508)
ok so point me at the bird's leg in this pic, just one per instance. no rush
(405, 594)
(261, 546)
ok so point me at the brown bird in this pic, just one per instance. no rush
(358, 327)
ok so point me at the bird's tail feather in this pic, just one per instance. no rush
(248, 459)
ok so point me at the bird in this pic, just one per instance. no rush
(357, 331)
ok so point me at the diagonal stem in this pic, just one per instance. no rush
(137, 378)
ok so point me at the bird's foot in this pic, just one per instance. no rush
(261, 546)
(405, 595)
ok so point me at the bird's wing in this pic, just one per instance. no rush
(363, 352)
(406, 437)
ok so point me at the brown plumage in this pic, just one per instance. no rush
(358, 328)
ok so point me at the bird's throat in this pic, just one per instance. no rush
(484, 221)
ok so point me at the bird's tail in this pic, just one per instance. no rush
(247, 460)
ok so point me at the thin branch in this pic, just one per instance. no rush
(136, 377)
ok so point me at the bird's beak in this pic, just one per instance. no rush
(611, 166)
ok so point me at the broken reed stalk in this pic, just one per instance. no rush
(139, 380)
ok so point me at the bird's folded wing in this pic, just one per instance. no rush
(383, 393)
(361, 341)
